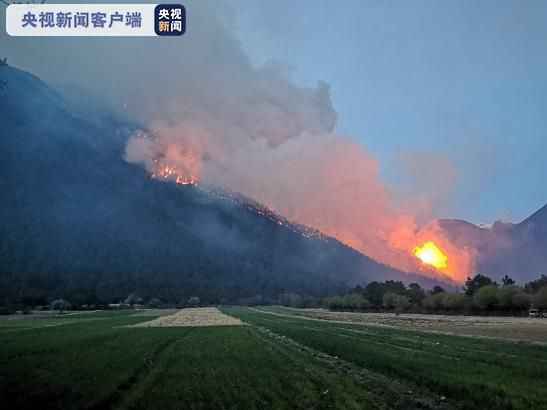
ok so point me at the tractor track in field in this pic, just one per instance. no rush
(376, 382)
(458, 353)
(117, 397)
(401, 396)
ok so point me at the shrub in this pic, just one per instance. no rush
(453, 301)
(540, 298)
(486, 297)
(521, 300)
(535, 285)
(355, 301)
(473, 285)
(401, 303)
(505, 296)
(333, 302)
(389, 300)
(415, 293)
(433, 302)
(394, 301)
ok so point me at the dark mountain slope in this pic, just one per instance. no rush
(76, 218)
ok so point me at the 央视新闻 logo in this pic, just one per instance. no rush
(170, 20)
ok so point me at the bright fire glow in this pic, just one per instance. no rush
(172, 173)
(430, 254)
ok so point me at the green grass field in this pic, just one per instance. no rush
(93, 361)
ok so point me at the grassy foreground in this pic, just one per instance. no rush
(473, 373)
(94, 361)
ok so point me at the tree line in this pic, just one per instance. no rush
(479, 295)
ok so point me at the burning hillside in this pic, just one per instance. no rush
(187, 176)
(114, 229)
(251, 129)
(430, 254)
(216, 117)
(172, 173)
(323, 184)
(221, 120)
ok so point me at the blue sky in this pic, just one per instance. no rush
(462, 80)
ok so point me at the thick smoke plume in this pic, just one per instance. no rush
(211, 115)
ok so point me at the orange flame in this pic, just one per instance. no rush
(173, 174)
(430, 254)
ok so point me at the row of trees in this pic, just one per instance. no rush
(131, 301)
(479, 295)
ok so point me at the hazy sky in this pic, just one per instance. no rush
(464, 79)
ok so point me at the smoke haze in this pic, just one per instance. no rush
(205, 110)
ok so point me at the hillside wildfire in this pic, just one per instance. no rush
(395, 243)
(430, 254)
(171, 173)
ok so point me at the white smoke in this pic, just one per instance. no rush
(210, 112)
